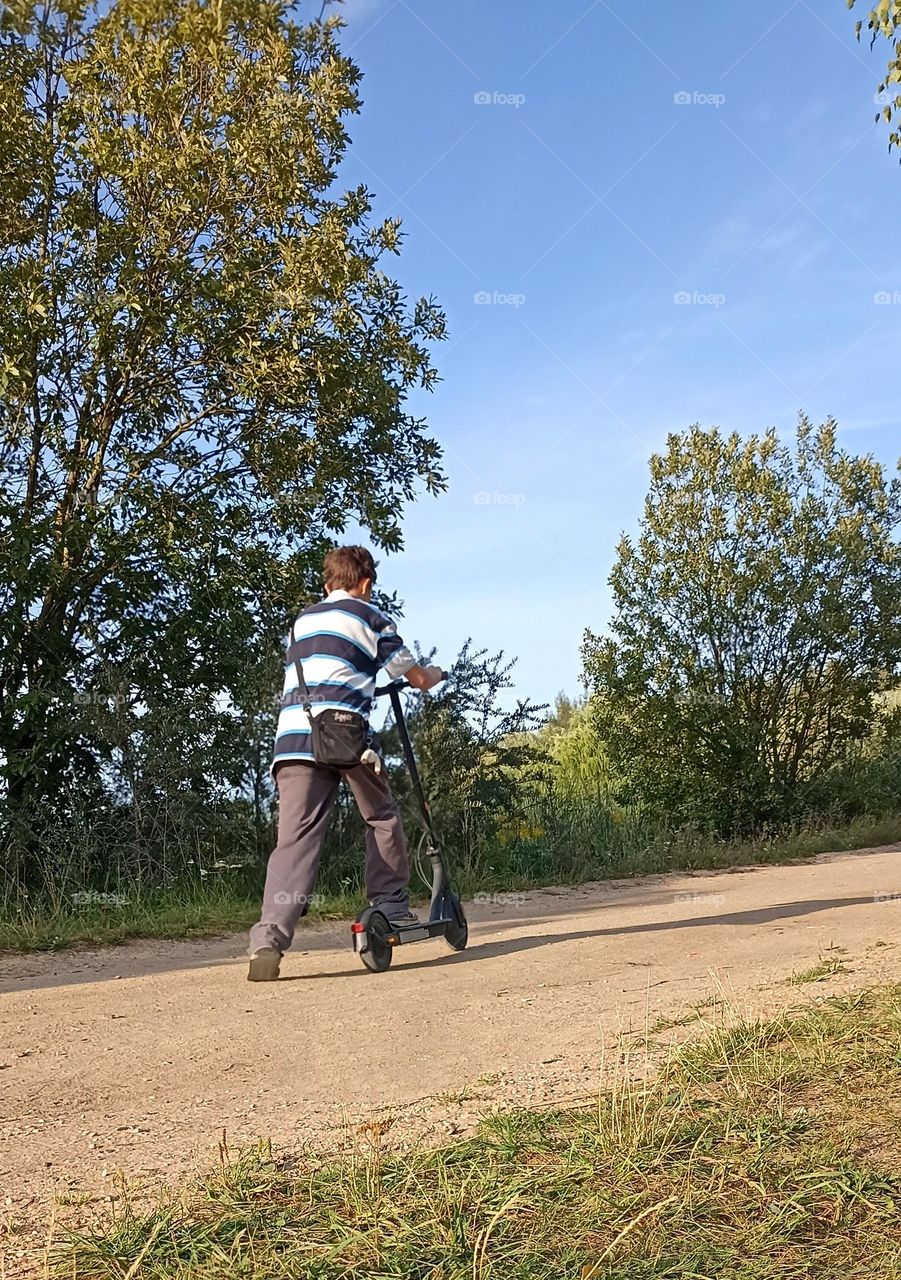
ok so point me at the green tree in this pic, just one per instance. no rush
(204, 368)
(568, 740)
(563, 714)
(885, 20)
(580, 762)
(757, 616)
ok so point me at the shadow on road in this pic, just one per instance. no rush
(149, 957)
(509, 946)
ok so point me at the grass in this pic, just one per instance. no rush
(647, 850)
(826, 967)
(189, 910)
(225, 903)
(692, 1014)
(766, 1151)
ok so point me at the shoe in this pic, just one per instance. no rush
(264, 965)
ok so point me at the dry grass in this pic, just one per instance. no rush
(761, 1152)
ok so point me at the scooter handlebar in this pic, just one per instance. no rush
(395, 684)
(400, 684)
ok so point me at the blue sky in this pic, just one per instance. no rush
(568, 174)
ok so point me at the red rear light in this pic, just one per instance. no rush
(358, 927)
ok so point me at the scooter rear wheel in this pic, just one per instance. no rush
(378, 953)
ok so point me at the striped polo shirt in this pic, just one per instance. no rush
(342, 643)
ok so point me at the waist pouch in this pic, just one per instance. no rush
(340, 736)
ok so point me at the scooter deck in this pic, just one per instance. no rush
(406, 933)
(416, 932)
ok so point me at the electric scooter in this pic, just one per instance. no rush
(374, 935)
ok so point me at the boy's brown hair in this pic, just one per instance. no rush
(345, 567)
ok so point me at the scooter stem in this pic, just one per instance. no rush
(406, 744)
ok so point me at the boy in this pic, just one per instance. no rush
(341, 644)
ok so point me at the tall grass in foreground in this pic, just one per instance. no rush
(761, 1152)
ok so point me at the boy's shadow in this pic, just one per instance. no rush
(487, 950)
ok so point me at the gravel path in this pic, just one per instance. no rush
(132, 1061)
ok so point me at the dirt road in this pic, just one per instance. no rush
(136, 1058)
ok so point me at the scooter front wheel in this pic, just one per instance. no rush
(377, 951)
(456, 935)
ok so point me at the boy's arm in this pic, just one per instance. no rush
(397, 661)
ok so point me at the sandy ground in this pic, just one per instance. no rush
(133, 1060)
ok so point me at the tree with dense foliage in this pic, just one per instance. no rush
(757, 619)
(204, 371)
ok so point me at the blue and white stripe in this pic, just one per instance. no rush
(342, 643)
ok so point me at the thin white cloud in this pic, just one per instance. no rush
(353, 10)
(807, 119)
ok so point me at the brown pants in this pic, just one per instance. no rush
(306, 795)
